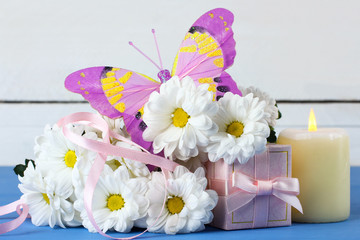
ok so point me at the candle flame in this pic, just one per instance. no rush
(312, 122)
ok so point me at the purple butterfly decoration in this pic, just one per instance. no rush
(207, 50)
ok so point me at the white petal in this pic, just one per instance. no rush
(192, 202)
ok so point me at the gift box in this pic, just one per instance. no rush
(256, 194)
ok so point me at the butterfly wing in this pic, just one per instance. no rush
(223, 84)
(207, 50)
(116, 92)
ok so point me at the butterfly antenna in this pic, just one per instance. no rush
(130, 43)
(157, 47)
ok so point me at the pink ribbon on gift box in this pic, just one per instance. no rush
(283, 188)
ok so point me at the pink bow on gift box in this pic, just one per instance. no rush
(283, 188)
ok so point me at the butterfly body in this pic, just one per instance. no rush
(207, 50)
(164, 75)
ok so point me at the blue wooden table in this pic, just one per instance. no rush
(349, 229)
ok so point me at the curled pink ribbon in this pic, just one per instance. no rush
(283, 188)
(12, 207)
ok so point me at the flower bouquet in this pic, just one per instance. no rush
(140, 161)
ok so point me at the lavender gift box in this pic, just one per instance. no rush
(239, 209)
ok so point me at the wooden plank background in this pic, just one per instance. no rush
(304, 53)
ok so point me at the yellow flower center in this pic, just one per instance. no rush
(70, 158)
(175, 205)
(180, 118)
(115, 202)
(46, 198)
(113, 164)
(235, 128)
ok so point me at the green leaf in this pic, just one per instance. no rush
(279, 113)
(29, 160)
(272, 138)
(20, 168)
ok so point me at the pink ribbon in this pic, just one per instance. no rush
(283, 188)
(12, 207)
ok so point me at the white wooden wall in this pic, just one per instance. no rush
(295, 50)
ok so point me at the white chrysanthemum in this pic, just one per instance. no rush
(85, 162)
(188, 206)
(118, 201)
(47, 198)
(55, 153)
(271, 111)
(242, 129)
(136, 169)
(178, 118)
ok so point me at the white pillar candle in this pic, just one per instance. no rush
(320, 160)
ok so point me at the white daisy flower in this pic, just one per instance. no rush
(136, 169)
(271, 112)
(178, 118)
(84, 164)
(242, 129)
(188, 206)
(47, 199)
(118, 201)
(55, 153)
